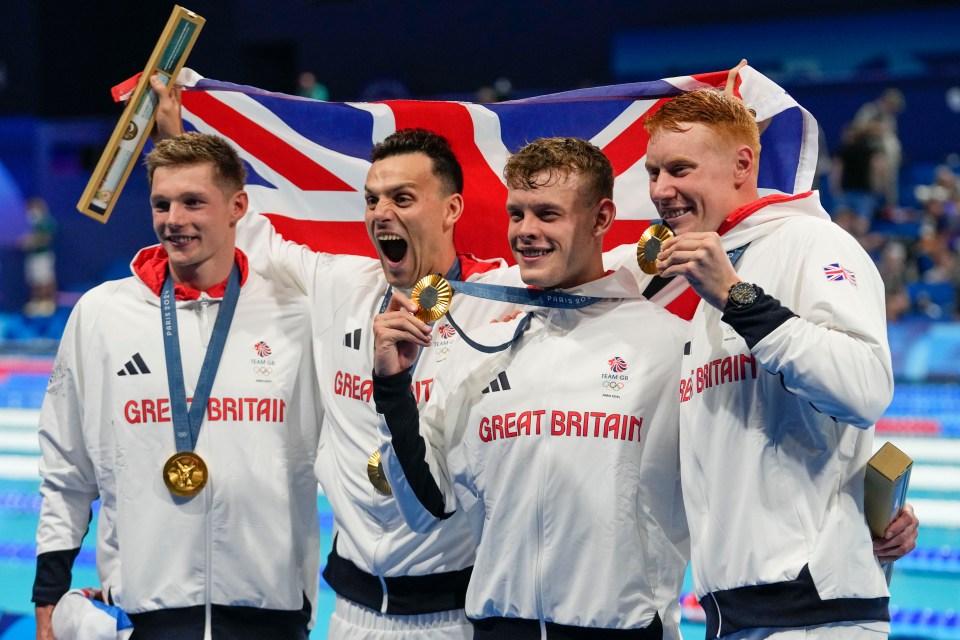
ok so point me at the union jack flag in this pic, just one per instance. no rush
(617, 364)
(835, 272)
(308, 160)
(262, 349)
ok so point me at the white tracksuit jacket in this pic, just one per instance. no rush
(374, 554)
(250, 537)
(562, 450)
(777, 414)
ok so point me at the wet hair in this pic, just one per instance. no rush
(445, 164)
(192, 148)
(726, 116)
(559, 158)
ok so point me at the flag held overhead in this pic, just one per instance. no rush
(308, 160)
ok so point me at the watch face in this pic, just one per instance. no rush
(742, 294)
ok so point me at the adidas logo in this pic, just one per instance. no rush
(352, 339)
(134, 366)
(500, 383)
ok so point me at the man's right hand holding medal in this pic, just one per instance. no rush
(398, 336)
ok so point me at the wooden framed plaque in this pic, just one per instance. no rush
(885, 486)
(130, 134)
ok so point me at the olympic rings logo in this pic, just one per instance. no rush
(263, 371)
(442, 351)
(612, 385)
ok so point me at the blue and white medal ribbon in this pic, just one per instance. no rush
(734, 254)
(521, 295)
(185, 473)
(431, 294)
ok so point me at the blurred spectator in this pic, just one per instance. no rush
(893, 266)
(486, 95)
(857, 171)
(917, 251)
(940, 226)
(39, 263)
(878, 118)
(934, 291)
(309, 87)
(893, 269)
(499, 91)
(859, 227)
(945, 187)
(504, 88)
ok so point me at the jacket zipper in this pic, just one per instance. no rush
(208, 543)
(203, 312)
(544, 451)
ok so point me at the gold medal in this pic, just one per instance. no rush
(432, 294)
(649, 246)
(185, 474)
(376, 475)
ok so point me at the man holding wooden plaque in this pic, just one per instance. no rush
(183, 398)
(786, 372)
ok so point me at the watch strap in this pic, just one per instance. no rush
(756, 321)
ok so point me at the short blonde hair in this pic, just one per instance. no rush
(229, 174)
(561, 157)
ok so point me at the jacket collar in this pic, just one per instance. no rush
(763, 216)
(151, 266)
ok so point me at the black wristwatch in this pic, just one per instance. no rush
(742, 294)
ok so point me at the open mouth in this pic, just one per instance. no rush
(392, 246)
